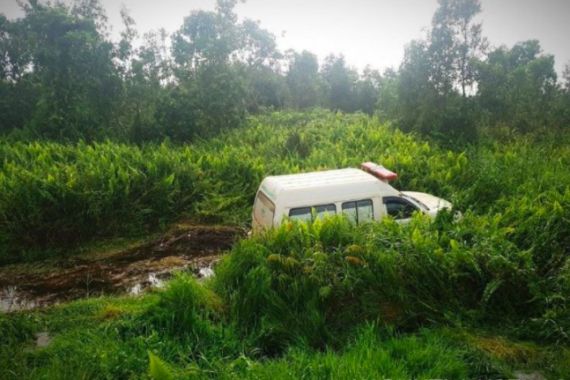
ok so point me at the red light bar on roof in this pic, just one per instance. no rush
(378, 171)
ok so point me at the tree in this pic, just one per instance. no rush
(70, 64)
(150, 72)
(517, 86)
(202, 40)
(566, 76)
(419, 100)
(18, 90)
(455, 42)
(434, 69)
(339, 83)
(257, 46)
(266, 88)
(303, 79)
(366, 91)
(260, 67)
(563, 100)
(388, 104)
(208, 95)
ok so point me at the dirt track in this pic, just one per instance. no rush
(130, 270)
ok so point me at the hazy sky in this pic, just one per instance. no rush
(367, 31)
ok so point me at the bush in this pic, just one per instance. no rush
(55, 196)
(373, 353)
(311, 284)
(185, 308)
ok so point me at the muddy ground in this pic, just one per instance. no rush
(130, 270)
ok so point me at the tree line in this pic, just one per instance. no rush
(62, 77)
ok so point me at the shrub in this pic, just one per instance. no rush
(312, 283)
(185, 309)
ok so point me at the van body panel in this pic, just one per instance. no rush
(278, 195)
(431, 202)
(263, 213)
(298, 190)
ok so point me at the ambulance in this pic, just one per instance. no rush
(362, 195)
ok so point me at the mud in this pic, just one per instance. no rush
(131, 270)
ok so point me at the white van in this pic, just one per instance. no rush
(362, 194)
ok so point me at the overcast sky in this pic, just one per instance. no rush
(366, 31)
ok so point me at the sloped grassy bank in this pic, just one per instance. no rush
(443, 299)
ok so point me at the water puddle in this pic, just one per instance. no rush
(206, 272)
(131, 271)
(12, 299)
(152, 281)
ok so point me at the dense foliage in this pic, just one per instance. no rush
(104, 139)
(58, 195)
(329, 300)
(303, 289)
(62, 77)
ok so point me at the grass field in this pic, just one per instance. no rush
(480, 297)
(56, 196)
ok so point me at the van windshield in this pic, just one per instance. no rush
(416, 201)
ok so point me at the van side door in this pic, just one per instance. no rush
(360, 211)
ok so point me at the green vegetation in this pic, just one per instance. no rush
(328, 299)
(323, 300)
(54, 196)
(104, 140)
(63, 78)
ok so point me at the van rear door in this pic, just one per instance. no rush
(263, 212)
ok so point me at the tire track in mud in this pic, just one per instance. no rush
(194, 247)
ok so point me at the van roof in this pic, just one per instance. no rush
(324, 186)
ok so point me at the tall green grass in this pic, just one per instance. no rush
(324, 300)
(200, 331)
(56, 196)
(372, 353)
(310, 284)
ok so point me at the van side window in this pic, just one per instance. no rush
(306, 213)
(301, 213)
(365, 210)
(323, 210)
(399, 208)
(359, 211)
